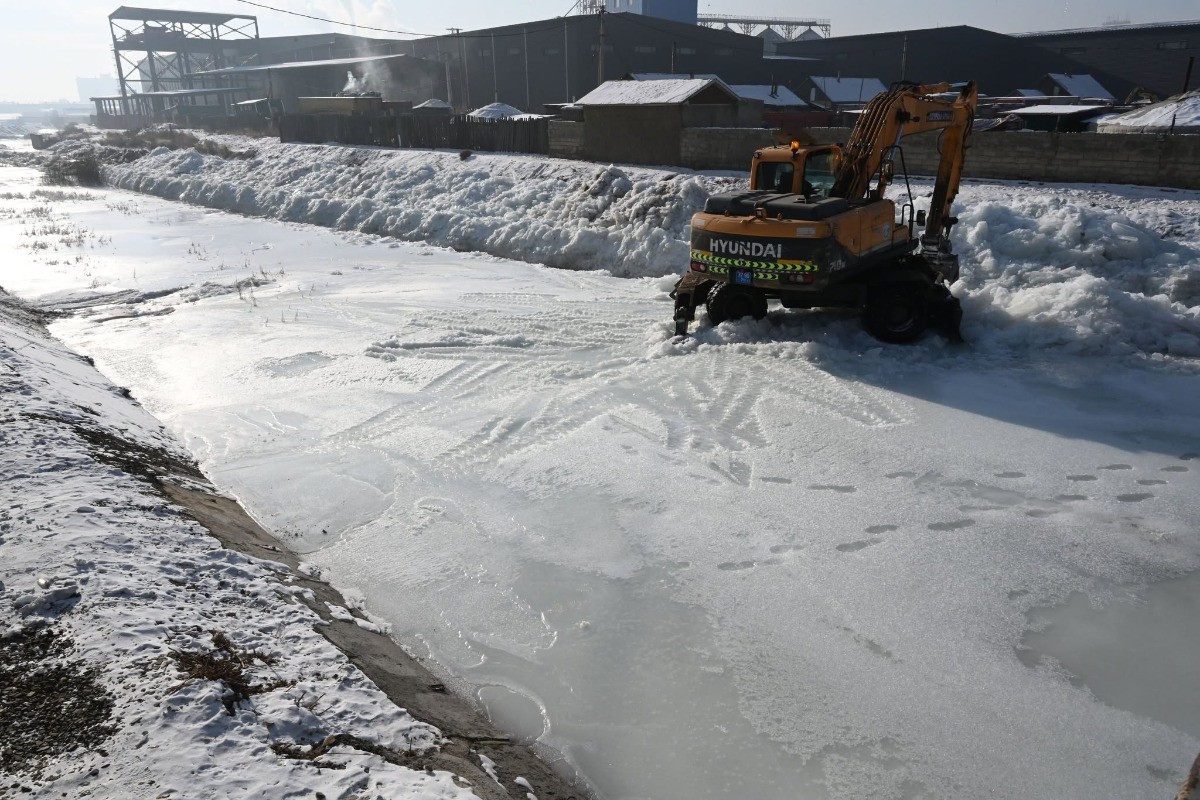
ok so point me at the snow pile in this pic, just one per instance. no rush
(1181, 112)
(496, 111)
(629, 221)
(1044, 270)
(132, 611)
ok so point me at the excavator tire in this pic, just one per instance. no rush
(728, 301)
(898, 312)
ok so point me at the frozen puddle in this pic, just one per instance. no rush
(1139, 652)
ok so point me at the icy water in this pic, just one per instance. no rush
(777, 561)
(1138, 652)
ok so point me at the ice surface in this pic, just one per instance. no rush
(776, 559)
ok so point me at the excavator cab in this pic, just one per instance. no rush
(809, 171)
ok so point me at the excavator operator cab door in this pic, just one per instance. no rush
(820, 169)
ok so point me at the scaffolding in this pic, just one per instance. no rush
(785, 26)
(158, 50)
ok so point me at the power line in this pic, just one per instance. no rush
(554, 24)
(332, 21)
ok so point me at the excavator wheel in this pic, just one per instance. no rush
(727, 301)
(897, 313)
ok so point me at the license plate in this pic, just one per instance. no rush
(743, 277)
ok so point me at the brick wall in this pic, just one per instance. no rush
(1133, 158)
(566, 139)
(1136, 158)
(721, 148)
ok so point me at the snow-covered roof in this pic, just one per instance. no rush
(649, 92)
(433, 103)
(849, 90)
(672, 76)
(496, 111)
(1081, 85)
(1135, 26)
(1030, 93)
(1056, 110)
(770, 95)
(1182, 111)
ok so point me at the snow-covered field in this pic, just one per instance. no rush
(773, 560)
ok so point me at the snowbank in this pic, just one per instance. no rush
(560, 213)
(1091, 269)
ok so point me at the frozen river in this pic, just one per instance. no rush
(775, 560)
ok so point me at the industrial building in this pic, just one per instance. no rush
(1000, 64)
(1155, 57)
(193, 64)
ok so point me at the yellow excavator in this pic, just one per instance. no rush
(815, 230)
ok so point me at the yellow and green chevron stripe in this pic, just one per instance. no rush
(720, 265)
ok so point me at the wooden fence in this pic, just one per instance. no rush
(411, 130)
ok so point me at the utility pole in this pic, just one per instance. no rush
(466, 71)
(495, 84)
(600, 61)
(672, 58)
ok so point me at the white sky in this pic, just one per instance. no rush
(44, 45)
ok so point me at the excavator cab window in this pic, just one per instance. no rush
(775, 176)
(819, 170)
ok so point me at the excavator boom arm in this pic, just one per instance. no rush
(904, 110)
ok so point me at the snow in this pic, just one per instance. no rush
(770, 95)
(1056, 109)
(1103, 270)
(127, 579)
(1081, 86)
(849, 90)
(496, 111)
(648, 92)
(1181, 111)
(774, 559)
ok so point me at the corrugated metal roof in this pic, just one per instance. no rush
(771, 96)
(330, 62)
(138, 13)
(648, 93)
(1136, 26)
(1081, 86)
(1056, 110)
(849, 90)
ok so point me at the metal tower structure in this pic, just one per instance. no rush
(584, 7)
(157, 49)
(783, 25)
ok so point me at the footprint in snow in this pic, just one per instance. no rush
(734, 566)
(1116, 466)
(901, 475)
(1151, 482)
(828, 487)
(1174, 469)
(873, 529)
(1070, 498)
(786, 548)
(853, 547)
(1135, 497)
(955, 525)
(1082, 478)
(1010, 474)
